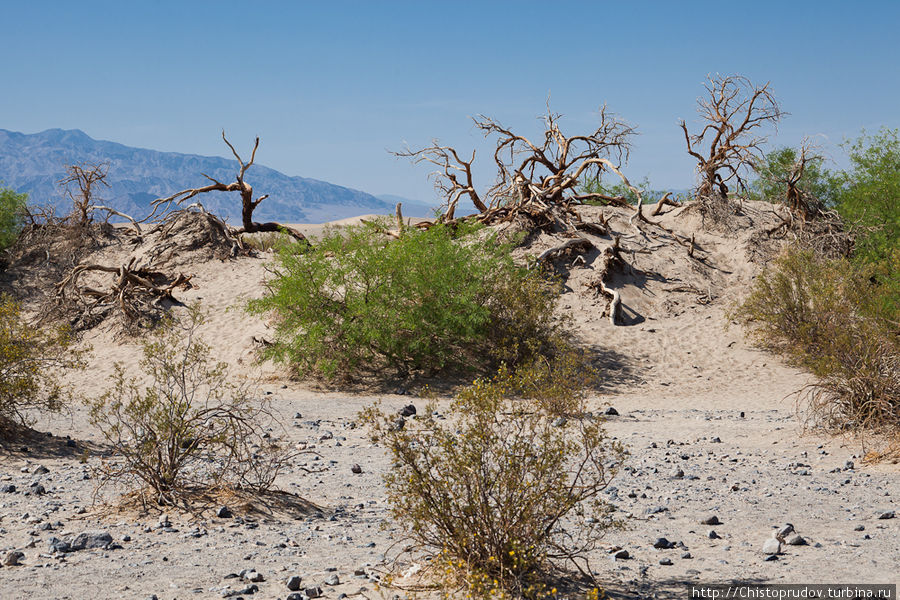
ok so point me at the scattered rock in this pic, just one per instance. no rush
(713, 535)
(663, 544)
(92, 539)
(224, 512)
(8, 488)
(686, 555)
(859, 528)
(41, 470)
(313, 592)
(713, 520)
(771, 557)
(621, 555)
(254, 577)
(293, 582)
(666, 562)
(678, 473)
(782, 533)
(887, 515)
(772, 546)
(408, 410)
(333, 579)
(13, 559)
(795, 539)
(611, 412)
(356, 469)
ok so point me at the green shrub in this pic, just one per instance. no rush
(30, 360)
(11, 208)
(188, 429)
(829, 317)
(429, 300)
(502, 491)
(776, 168)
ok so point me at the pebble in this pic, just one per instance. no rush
(13, 559)
(686, 555)
(666, 562)
(91, 539)
(611, 412)
(408, 410)
(782, 533)
(621, 555)
(293, 582)
(772, 546)
(313, 592)
(663, 544)
(356, 469)
(8, 488)
(795, 540)
(224, 512)
(41, 470)
(333, 579)
(887, 515)
(677, 473)
(713, 535)
(713, 520)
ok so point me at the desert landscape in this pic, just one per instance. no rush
(718, 457)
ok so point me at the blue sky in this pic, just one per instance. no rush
(330, 88)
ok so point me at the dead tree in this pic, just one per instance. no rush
(86, 178)
(532, 177)
(734, 112)
(248, 203)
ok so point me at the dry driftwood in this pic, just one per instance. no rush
(609, 258)
(248, 204)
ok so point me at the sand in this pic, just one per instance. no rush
(691, 392)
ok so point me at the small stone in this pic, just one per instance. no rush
(795, 539)
(224, 512)
(677, 473)
(41, 470)
(254, 577)
(713, 535)
(859, 528)
(8, 488)
(295, 597)
(37, 489)
(771, 557)
(356, 469)
(313, 592)
(782, 533)
(13, 559)
(333, 579)
(666, 562)
(772, 546)
(126, 538)
(621, 555)
(848, 466)
(408, 410)
(298, 416)
(611, 412)
(663, 544)
(686, 555)
(713, 520)
(293, 582)
(92, 539)
(887, 515)
(57, 545)
(716, 440)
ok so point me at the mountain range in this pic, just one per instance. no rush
(34, 163)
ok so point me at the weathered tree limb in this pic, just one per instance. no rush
(665, 201)
(579, 244)
(609, 258)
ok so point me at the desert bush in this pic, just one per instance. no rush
(776, 167)
(31, 359)
(265, 241)
(12, 206)
(829, 317)
(435, 299)
(188, 429)
(502, 491)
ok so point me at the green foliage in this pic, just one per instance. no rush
(829, 317)
(11, 207)
(30, 359)
(869, 201)
(775, 169)
(188, 429)
(430, 300)
(502, 490)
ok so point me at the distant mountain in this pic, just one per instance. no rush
(35, 163)
(411, 208)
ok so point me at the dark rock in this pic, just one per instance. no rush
(408, 410)
(58, 545)
(686, 555)
(41, 470)
(293, 582)
(771, 557)
(663, 544)
(70, 444)
(611, 412)
(795, 540)
(13, 559)
(713, 535)
(887, 515)
(653, 510)
(92, 539)
(666, 562)
(313, 592)
(333, 579)
(399, 424)
(713, 520)
(356, 469)
(8, 488)
(296, 597)
(859, 528)
(621, 555)
(224, 512)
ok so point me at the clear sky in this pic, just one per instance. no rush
(330, 86)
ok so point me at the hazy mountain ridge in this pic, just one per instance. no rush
(34, 163)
